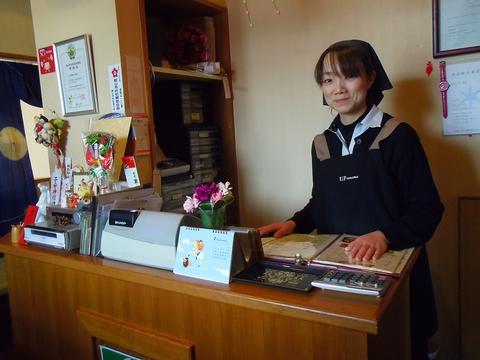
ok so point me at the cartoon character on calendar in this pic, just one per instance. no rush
(195, 256)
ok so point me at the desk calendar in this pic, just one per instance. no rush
(204, 254)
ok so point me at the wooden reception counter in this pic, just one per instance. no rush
(64, 304)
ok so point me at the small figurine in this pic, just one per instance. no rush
(43, 202)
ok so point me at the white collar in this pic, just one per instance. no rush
(372, 119)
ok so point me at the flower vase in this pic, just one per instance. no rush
(213, 218)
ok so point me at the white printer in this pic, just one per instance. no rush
(144, 237)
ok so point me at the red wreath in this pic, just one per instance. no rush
(188, 46)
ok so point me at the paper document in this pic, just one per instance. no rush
(330, 250)
(392, 262)
(308, 246)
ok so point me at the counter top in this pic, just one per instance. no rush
(357, 312)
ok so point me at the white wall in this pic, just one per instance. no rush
(278, 110)
(54, 21)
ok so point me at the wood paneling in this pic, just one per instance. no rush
(235, 321)
(136, 73)
(144, 342)
(469, 286)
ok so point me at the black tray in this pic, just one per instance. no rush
(281, 275)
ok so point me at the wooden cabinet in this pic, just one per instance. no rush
(141, 50)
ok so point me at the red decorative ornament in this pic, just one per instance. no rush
(428, 68)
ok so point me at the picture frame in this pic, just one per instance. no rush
(82, 182)
(76, 81)
(455, 27)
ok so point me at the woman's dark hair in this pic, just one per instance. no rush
(351, 60)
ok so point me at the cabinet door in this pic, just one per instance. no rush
(469, 268)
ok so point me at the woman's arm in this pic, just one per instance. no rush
(405, 158)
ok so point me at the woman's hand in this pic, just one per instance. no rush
(367, 247)
(278, 229)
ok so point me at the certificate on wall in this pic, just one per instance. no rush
(463, 99)
(75, 76)
(455, 27)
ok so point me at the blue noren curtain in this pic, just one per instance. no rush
(17, 188)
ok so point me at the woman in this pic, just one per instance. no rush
(370, 177)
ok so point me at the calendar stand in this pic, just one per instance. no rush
(216, 255)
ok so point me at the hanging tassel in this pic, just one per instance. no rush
(277, 10)
(247, 12)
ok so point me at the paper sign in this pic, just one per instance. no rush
(136, 93)
(116, 88)
(108, 353)
(131, 173)
(46, 60)
(463, 99)
(204, 254)
(55, 186)
(142, 135)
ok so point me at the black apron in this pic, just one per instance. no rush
(356, 195)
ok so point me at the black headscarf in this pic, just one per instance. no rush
(381, 83)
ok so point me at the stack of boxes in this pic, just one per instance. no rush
(204, 153)
(174, 190)
(204, 140)
(177, 182)
(185, 131)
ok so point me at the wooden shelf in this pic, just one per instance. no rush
(169, 74)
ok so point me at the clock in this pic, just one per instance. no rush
(443, 85)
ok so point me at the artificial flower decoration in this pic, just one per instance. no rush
(211, 201)
(209, 196)
(188, 46)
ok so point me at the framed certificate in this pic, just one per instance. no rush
(455, 27)
(75, 76)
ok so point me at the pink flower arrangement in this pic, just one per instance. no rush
(209, 196)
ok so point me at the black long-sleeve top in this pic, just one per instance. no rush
(408, 166)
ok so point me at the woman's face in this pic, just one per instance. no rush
(346, 95)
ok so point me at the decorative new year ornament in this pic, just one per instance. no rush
(99, 154)
(428, 68)
(49, 133)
